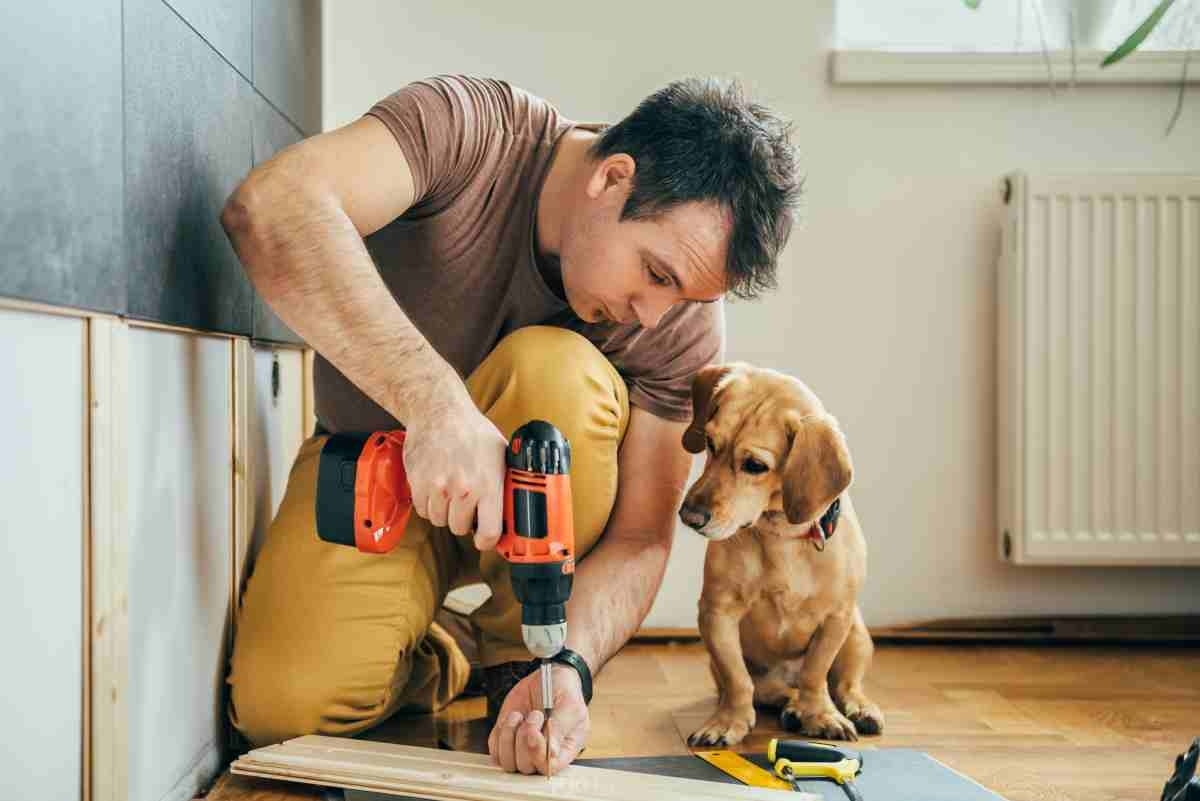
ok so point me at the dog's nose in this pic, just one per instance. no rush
(694, 516)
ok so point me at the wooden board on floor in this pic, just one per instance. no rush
(453, 776)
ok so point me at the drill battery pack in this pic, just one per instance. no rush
(363, 498)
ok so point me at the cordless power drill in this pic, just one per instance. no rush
(363, 499)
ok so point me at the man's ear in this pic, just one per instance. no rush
(704, 386)
(614, 170)
(818, 467)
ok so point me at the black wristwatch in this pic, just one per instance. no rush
(568, 657)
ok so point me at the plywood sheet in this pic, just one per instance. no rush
(455, 776)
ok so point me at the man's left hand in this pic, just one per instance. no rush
(517, 743)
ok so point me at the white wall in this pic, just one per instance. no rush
(886, 299)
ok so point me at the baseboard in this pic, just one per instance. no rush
(661, 633)
(1146, 629)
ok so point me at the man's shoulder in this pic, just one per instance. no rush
(484, 95)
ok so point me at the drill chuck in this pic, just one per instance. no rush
(543, 590)
(544, 641)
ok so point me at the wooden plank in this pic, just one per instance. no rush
(172, 328)
(17, 304)
(109, 565)
(310, 403)
(455, 776)
(85, 777)
(243, 469)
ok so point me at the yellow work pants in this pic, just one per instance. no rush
(332, 641)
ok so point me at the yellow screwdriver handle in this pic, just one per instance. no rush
(840, 772)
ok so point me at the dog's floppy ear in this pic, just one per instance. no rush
(818, 467)
(704, 383)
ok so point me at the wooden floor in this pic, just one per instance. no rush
(1077, 722)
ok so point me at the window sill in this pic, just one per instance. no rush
(858, 67)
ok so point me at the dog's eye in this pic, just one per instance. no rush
(754, 467)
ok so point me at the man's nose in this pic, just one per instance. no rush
(650, 309)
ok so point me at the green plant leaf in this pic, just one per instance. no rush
(1138, 36)
(972, 4)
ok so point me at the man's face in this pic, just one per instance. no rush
(634, 270)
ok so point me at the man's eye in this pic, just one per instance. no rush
(754, 467)
(660, 280)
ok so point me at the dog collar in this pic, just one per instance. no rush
(823, 529)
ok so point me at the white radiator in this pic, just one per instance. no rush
(1099, 370)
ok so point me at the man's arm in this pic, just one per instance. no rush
(297, 223)
(616, 582)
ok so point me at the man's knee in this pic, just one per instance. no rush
(561, 372)
(275, 696)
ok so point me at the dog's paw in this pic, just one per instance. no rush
(825, 723)
(725, 727)
(867, 719)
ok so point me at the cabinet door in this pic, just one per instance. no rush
(179, 434)
(41, 555)
(277, 432)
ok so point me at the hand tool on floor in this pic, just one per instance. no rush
(795, 760)
(363, 499)
(734, 764)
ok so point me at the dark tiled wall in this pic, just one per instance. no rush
(272, 133)
(60, 153)
(121, 142)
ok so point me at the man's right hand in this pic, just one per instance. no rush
(454, 457)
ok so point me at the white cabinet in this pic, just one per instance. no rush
(180, 511)
(42, 555)
(140, 464)
(276, 431)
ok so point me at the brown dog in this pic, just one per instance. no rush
(786, 557)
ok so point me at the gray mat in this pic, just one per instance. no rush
(888, 774)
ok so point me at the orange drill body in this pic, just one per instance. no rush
(558, 546)
(363, 499)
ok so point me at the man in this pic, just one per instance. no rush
(573, 273)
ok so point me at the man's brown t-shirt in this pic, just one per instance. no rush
(461, 261)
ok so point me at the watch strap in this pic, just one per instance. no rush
(568, 657)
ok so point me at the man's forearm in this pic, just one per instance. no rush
(614, 589)
(305, 257)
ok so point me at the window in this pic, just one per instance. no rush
(1010, 26)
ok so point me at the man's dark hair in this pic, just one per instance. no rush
(700, 139)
